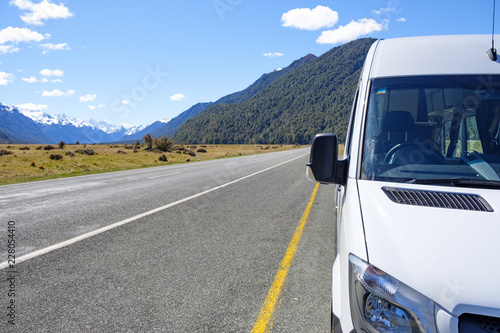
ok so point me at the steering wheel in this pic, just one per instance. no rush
(413, 153)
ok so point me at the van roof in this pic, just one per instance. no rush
(433, 55)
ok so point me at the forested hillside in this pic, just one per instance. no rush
(314, 98)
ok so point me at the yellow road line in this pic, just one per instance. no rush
(262, 322)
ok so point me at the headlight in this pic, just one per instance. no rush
(381, 303)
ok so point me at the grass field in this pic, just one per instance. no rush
(24, 163)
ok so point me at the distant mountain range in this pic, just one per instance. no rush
(26, 126)
(289, 105)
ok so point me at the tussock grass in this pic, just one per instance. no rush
(25, 163)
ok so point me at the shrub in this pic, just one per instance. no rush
(70, 154)
(163, 144)
(148, 140)
(48, 147)
(56, 157)
(61, 144)
(190, 153)
(202, 150)
(5, 152)
(24, 148)
(163, 158)
(33, 164)
(39, 148)
(122, 152)
(89, 151)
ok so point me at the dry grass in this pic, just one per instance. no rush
(19, 164)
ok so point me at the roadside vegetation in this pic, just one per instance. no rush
(24, 163)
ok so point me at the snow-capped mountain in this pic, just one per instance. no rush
(63, 128)
(43, 118)
(17, 128)
(124, 129)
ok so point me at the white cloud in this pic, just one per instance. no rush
(53, 93)
(57, 93)
(4, 49)
(87, 98)
(17, 35)
(44, 80)
(57, 81)
(177, 97)
(44, 10)
(52, 72)
(6, 78)
(273, 54)
(32, 106)
(310, 19)
(402, 19)
(31, 79)
(52, 47)
(91, 107)
(350, 31)
(100, 106)
(125, 102)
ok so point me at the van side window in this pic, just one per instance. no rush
(351, 121)
(462, 139)
(473, 141)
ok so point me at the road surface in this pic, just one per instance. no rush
(182, 248)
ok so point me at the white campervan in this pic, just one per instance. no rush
(418, 190)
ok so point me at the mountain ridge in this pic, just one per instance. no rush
(18, 128)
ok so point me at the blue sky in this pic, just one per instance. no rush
(136, 62)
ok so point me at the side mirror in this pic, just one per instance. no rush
(323, 160)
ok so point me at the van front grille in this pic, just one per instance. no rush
(438, 199)
(471, 323)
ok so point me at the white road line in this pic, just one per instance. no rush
(74, 240)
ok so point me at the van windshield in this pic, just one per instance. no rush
(426, 129)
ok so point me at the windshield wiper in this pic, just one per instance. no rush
(458, 181)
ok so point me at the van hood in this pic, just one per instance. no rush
(449, 255)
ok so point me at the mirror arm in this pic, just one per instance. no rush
(341, 172)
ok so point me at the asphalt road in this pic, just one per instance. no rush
(188, 248)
